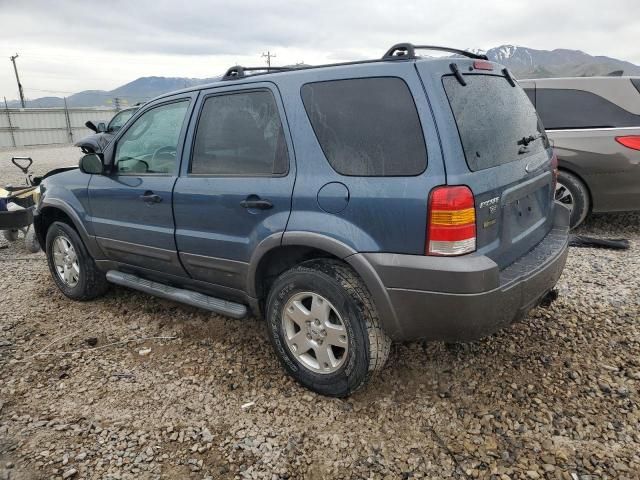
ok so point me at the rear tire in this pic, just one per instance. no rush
(573, 193)
(358, 350)
(72, 268)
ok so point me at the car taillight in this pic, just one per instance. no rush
(451, 226)
(631, 141)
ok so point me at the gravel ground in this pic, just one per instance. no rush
(555, 396)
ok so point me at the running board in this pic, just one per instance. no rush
(195, 299)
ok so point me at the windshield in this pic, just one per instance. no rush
(496, 121)
(120, 119)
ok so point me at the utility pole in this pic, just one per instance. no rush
(269, 56)
(15, 69)
(116, 104)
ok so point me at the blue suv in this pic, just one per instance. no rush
(349, 205)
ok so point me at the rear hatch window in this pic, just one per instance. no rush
(497, 122)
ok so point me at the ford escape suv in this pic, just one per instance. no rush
(349, 205)
(594, 125)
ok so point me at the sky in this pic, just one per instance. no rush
(66, 46)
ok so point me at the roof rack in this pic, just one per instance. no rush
(406, 51)
(400, 51)
(238, 71)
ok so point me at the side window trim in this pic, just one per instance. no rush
(113, 145)
(201, 104)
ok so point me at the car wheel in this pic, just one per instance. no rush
(72, 268)
(573, 193)
(325, 328)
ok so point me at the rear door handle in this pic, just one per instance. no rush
(150, 197)
(257, 203)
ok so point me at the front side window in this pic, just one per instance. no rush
(240, 134)
(367, 126)
(149, 146)
(119, 120)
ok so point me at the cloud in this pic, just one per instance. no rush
(74, 45)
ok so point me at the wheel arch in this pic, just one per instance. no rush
(272, 257)
(57, 211)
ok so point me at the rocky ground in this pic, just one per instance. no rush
(130, 386)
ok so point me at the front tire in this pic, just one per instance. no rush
(72, 268)
(325, 328)
(573, 193)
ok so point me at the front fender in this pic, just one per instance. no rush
(66, 198)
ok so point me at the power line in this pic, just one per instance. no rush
(15, 69)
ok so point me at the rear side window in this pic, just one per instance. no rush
(564, 109)
(636, 83)
(492, 118)
(367, 126)
(240, 134)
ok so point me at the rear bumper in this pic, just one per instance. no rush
(465, 298)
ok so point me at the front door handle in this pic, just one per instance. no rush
(255, 202)
(150, 197)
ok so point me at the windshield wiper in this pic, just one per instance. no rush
(524, 141)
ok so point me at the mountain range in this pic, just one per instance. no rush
(531, 63)
(522, 61)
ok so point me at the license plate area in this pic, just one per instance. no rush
(527, 211)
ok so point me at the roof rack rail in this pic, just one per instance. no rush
(238, 71)
(406, 51)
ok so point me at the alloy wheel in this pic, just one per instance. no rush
(564, 195)
(315, 332)
(65, 259)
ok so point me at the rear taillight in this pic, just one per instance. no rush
(451, 226)
(631, 141)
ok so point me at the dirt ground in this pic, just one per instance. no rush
(555, 396)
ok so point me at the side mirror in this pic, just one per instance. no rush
(91, 126)
(101, 127)
(92, 164)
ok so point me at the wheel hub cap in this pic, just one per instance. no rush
(65, 261)
(315, 333)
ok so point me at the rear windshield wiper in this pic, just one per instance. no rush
(524, 141)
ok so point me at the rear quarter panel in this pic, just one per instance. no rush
(610, 170)
(383, 214)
